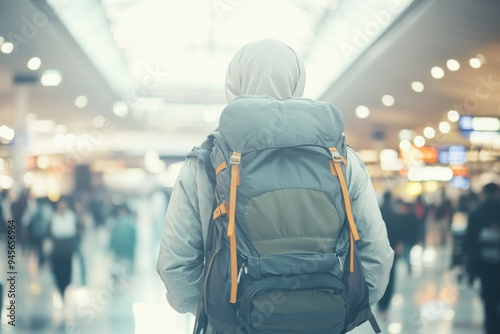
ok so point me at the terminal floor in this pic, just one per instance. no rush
(430, 300)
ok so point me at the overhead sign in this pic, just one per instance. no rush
(468, 124)
(455, 154)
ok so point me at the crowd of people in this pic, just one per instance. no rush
(471, 227)
(50, 234)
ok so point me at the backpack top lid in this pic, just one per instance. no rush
(251, 123)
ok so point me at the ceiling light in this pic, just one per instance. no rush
(453, 65)
(417, 86)
(388, 100)
(120, 109)
(81, 101)
(444, 127)
(405, 145)
(453, 116)
(429, 132)
(475, 62)
(7, 47)
(362, 112)
(1, 40)
(437, 72)
(419, 141)
(51, 78)
(34, 63)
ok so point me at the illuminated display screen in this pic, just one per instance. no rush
(456, 154)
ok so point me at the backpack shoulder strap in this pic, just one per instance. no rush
(203, 152)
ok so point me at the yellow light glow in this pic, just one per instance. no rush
(413, 189)
(431, 186)
(43, 162)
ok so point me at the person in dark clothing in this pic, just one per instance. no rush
(63, 231)
(482, 251)
(391, 219)
(421, 211)
(408, 227)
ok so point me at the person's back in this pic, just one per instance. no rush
(265, 68)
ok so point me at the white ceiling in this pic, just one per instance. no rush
(190, 45)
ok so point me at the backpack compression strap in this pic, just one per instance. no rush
(337, 170)
(231, 228)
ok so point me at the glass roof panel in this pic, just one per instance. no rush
(191, 42)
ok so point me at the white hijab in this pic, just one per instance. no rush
(266, 67)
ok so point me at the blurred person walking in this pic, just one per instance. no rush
(408, 231)
(19, 206)
(421, 211)
(482, 249)
(392, 222)
(85, 224)
(38, 228)
(63, 232)
(123, 241)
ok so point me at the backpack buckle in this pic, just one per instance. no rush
(336, 156)
(235, 158)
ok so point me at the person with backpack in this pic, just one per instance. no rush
(482, 251)
(273, 223)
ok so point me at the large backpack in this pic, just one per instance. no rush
(281, 254)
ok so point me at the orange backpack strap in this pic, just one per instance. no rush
(337, 170)
(231, 228)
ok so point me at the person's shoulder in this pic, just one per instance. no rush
(353, 159)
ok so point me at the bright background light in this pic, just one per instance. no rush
(51, 78)
(34, 63)
(437, 72)
(362, 112)
(417, 86)
(453, 65)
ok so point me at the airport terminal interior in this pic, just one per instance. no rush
(101, 101)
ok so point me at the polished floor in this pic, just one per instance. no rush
(430, 300)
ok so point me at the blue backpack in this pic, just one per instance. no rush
(281, 254)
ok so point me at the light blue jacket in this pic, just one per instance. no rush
(181, 257)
